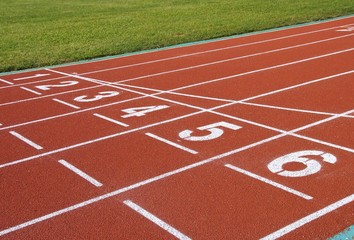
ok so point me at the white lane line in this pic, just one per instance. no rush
(158, 92)
(131, 187)
(262, 69)
(26, 140)
(80, 173)
(288, 109)
(309, 218)
(7, 82)
(171, 143)
(33, 76)
(270, 182)
(30, 90)
(65, 103)
(156, 220)
(232, 59)
(187, 55)
(111, 120)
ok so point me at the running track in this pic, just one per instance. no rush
(241, 138)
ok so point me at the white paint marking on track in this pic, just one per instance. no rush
(232, 59)
(192, 54)
(65, 103)
(270, 182)
(26, 140)
(309, 218)
(7, 82)
(111, 120)
(80, 173)
(33, 76)
(156, 220)
(171, 143)
(30, 90)
(131, 187)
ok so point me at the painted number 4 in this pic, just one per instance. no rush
(215, 130)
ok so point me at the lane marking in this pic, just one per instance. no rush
(131, 187)
(158, 93)
(80, 173)
(231, 59)
(262, 69)
(162, 224)
(159, 123)
(7, 82)
(65, 103)
(111, 120)
(270, 182)
(30, 90)
(309, 218)
(291, 109)
(171, 143)
(34, 76)
(187, 55)
(26, 140)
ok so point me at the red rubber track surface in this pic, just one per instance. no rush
(248, 137)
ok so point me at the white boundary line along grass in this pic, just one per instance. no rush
(270, 182)
(309, 218)
(111, 120)
(196, 66)
(171, 143)
(80, 173)
(26, 140)
(191, 54)
(29, 90)
(156, 220)
(65, 103)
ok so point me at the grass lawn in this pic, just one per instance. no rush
(36, 33)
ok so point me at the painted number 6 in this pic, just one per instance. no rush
(214, 130)
(311, 166)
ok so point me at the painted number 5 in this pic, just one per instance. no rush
(214, 130)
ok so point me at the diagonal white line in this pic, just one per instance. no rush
(309, 218)
(26, 140)
(80, 173)
(30, 90)
(270, 182)
(65, 103)
(171, 143)
(111, 120)
(156, 220)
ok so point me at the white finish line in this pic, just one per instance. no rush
(156, 220)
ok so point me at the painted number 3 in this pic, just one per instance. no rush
(215, 130)
(101, 95)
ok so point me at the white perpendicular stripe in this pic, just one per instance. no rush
(80, 173)
(299, 223)
(171, 143)
(26, 140)
(65, 103)
(156, 220)
(265, 180)
(30, 90)
(33, 76)
(4, 81)
(111, 120)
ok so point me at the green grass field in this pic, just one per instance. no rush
(36, 33)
